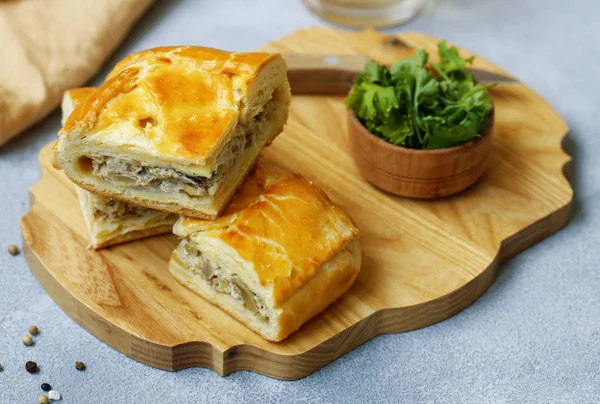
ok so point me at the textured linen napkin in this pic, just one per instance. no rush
(49, 46)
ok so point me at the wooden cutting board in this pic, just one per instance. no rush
(423, 261)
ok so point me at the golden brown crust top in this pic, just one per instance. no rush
(281, 223)
(79, 95)
(181, 100)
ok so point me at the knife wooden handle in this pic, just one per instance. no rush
(323, 74)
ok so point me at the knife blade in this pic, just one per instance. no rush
(333, 74)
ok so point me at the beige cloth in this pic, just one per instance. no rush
(49, 46)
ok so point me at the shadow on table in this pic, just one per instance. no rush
(573, 173)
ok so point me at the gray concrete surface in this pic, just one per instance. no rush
(534, 337)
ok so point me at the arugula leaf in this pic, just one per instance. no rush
(419, 105)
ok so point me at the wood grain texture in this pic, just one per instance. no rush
(423, 261)
(414, 173)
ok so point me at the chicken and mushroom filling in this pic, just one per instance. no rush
(110, 209)
(113, 210)
(223, 282)
(133, 174)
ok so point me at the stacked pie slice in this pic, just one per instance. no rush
(176, 129)
(171, 135)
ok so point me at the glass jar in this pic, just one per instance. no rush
(366, 13)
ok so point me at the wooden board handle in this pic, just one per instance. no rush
(323, 74)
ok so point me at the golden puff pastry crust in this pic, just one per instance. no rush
(73, 98)
(194, 116)
(109, 221)
(278, 255)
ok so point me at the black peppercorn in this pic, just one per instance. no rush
(46, 387)
(31, 367)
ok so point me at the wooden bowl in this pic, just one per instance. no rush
(423, 174)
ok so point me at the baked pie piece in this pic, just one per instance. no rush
(176, 128)
(279, 254)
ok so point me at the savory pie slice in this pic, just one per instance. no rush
(279, 254)
(110, 221)
(177, 128)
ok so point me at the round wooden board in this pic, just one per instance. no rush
(423, 261)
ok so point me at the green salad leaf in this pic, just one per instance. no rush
(421, 105)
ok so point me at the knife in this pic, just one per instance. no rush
(333, 74)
